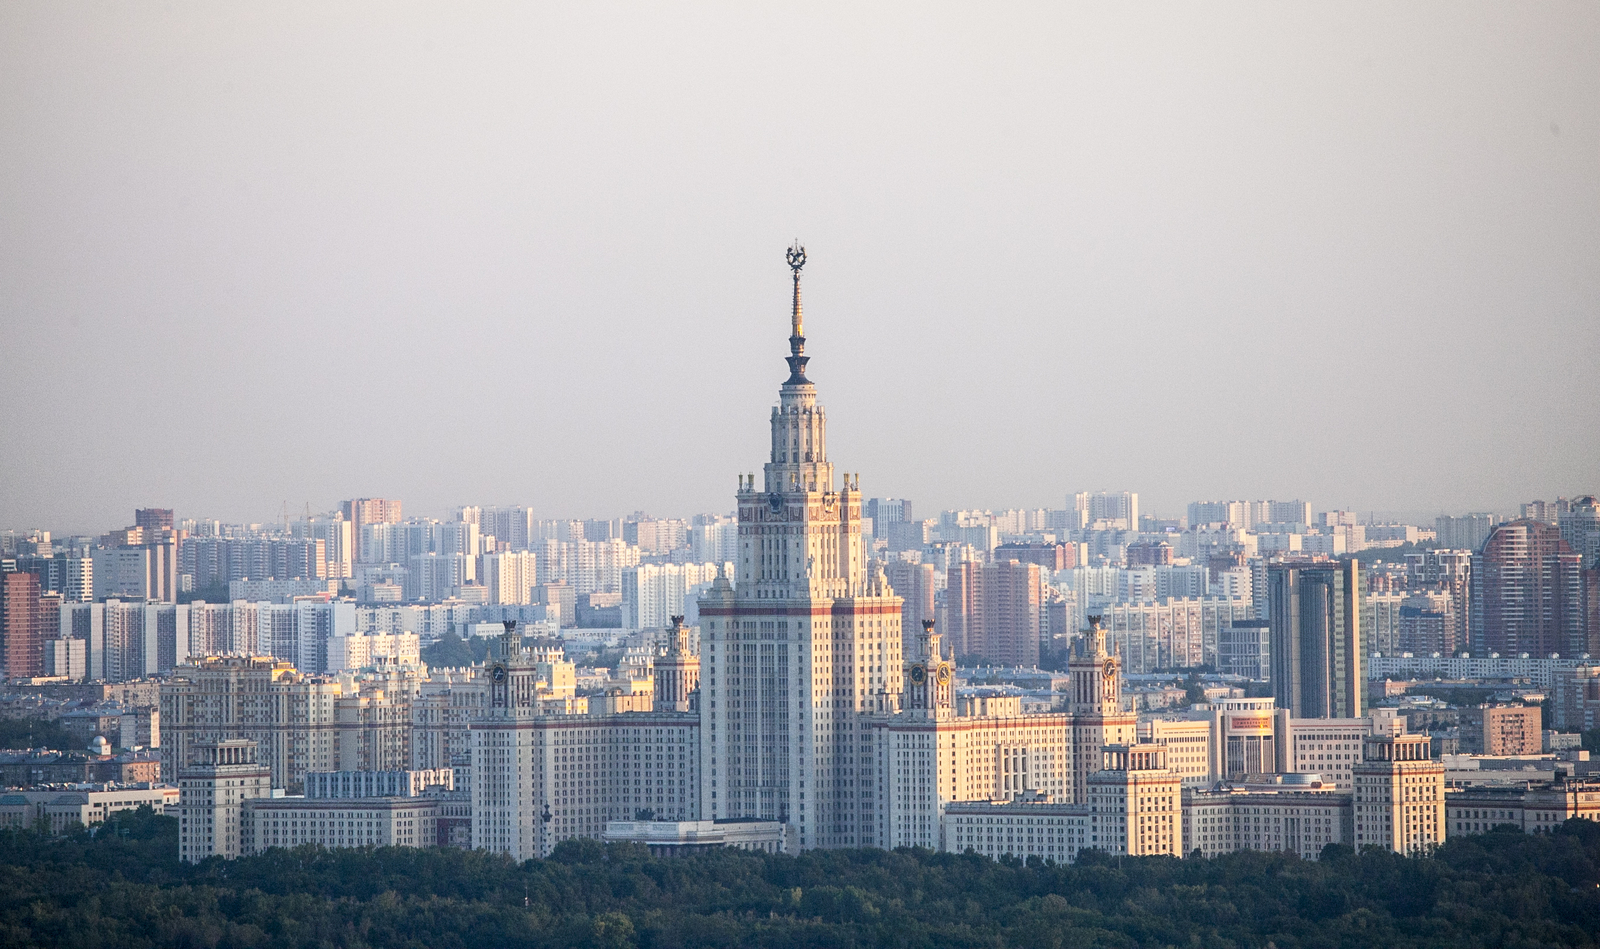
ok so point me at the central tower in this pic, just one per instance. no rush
(804, 642)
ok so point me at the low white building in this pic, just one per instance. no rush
(683, 837)
(1049, 831)
(86, 804)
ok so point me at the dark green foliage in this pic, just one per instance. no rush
(20, 733)
(123, 886)
(1591, 740)
(451, 653)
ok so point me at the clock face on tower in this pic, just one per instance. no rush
(919, 675)
(1110, 669)
(944, 674)
(499, 673)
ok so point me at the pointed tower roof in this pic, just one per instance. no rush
(797, 358)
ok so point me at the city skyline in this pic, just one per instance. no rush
(512, 256)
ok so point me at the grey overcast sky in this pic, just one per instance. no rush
(523, 253)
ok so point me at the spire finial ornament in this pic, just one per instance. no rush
(796, 255)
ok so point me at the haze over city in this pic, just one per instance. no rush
(499, 255)
(918, 474)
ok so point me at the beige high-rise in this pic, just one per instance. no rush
(803, 643)
(1399, 795)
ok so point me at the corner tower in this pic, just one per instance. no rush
(1097, 716)
(804, 642)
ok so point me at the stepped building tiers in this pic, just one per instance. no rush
(803, 642)
(810, 713)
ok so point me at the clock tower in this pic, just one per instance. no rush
(930, 680)
(1097, 716)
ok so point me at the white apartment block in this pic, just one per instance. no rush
(1114, 509)
(366, 650)
(509, 577)
(1169, 633)
(716, 541)
(338, 539)
(654, 593)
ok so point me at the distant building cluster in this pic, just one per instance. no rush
(815, 669)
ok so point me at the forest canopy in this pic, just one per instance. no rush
(122, 886)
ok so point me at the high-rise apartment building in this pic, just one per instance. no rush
(1116, 510)
(654, 593)
(290, 717)
(1548, 511)
(143, 571)
(1381, 619)
(71, 577)
(1577, 698)
(714, 539)
(362, 511)
(509, 577)
(1236, 514)
(1247, 514)
(1449, 572)
(1427, 625)
(1314, 609)
(1467, 531)
(1580, 528)
(1170, 633)
(1529, 594)
(1051, 557)
(21, 633)
(509, 525)
(153, 518)
(915, 583)
(337, 537)
(993, 611)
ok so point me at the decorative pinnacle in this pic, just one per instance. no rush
(796, 255)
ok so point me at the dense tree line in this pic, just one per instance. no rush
(123, 887)
(17, 734)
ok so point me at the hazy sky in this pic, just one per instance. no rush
(533, 253)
